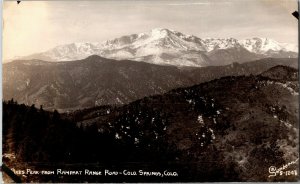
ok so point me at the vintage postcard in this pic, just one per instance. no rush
(150, 91)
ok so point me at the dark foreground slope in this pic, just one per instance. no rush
(97, 81)
(230, 129)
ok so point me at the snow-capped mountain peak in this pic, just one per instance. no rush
(263, 45)
(168, 47)
(160, 32)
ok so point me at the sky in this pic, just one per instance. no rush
(36, 26)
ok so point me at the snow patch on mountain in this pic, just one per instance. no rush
(213, 43)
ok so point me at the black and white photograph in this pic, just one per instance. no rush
(150, 91)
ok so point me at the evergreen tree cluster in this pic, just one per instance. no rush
(36, 135)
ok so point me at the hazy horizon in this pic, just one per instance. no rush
(36, 26)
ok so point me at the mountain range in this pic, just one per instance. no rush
(97, 81)
(226, 130)
(168, 47)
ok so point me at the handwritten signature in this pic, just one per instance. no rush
(281, 170)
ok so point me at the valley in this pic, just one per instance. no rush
(97, 81)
